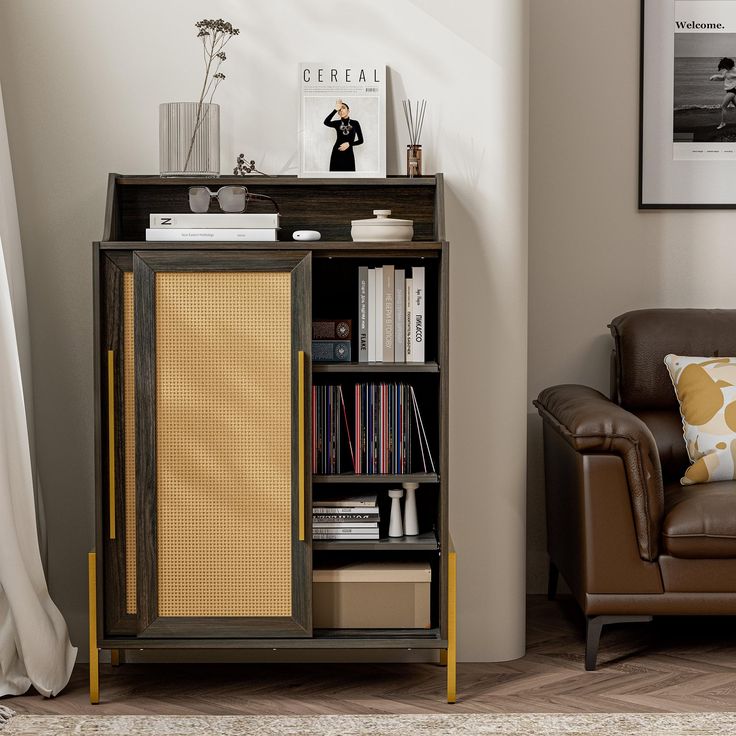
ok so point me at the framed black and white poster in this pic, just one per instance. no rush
(688, 104)
(342, 120)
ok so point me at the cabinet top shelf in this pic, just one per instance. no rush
(154, 180)
(327, 205)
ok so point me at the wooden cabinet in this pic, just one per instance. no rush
(203, 385)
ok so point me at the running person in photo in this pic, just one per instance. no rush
(348, 134)
(727, 75)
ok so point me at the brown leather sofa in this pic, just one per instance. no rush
(629, 540)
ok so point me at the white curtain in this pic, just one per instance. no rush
(34, 642)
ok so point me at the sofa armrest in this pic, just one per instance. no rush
(591, 423)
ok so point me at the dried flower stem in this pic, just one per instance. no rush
(215, 35)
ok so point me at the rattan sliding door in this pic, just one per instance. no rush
(221, 396)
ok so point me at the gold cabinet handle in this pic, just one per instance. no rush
(111, 437)
(302, 441)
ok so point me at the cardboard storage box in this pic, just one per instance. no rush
(372, 595)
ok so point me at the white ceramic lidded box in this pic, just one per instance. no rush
(382, 229)
(367, 595)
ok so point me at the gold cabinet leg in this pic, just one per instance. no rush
(94, 654)
(443, 657)
(115, 657)
(451, 656)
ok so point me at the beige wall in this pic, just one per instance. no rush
(82, 81)
(592, 254)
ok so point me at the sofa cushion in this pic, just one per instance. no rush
(700, 521)
(706, 391)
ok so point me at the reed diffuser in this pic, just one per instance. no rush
(414, 115)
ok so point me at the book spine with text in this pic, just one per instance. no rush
(399, 311)
(205, 221)
(388, 314)
(378, 313)
(409, 319)
(363, 314)
(371, 312)
(224, 234)
(417, 329)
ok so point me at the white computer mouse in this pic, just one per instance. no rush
(307, 235)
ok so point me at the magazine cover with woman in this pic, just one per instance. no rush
(342, 120)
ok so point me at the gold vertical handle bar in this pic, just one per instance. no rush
(111, 437)
(301, 445)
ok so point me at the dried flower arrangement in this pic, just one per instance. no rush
(215, 35)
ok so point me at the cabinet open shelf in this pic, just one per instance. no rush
(429, 367)
(426, 542)
(392, 478)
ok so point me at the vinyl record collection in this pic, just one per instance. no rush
(386, 424)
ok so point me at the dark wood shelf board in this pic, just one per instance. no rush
(367, 479)
(322, 639)
(254, 181)
(410, 248)
(429, 367)
(426, 542)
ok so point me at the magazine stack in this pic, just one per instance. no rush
(218, 227)
(352, 517)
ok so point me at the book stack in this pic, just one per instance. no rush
(223, 227)
(351, 517)
(391, 315)
(331, 340)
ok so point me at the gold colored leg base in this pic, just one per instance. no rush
(443, 657)
(452, 628)
(116, 657)
(94, 652)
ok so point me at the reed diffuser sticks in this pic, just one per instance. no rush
(414, 115)
(414, 119)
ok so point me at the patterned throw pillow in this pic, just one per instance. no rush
(706, 390)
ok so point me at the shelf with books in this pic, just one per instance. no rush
(426, 542)
(428, 367)
(388, 298)
(377, 478)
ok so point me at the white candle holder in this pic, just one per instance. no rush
(411, 523)
(395, 528)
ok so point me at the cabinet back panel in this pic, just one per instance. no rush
(327, 208)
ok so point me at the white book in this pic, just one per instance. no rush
(378, 316)
(216, 220)
(417, 318)
(388, 314)
(345, 535)
(371, 309)
(228, 235)
(368, 500)
(399, 312)
(339, 526)
(408, 318)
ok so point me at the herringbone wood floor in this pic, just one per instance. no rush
(677, 664)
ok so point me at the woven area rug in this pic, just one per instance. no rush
(551, 724)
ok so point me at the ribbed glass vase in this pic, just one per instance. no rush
(189, 139)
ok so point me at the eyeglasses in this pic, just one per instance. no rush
(230, 199)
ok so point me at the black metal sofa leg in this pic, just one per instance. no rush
(593, 627)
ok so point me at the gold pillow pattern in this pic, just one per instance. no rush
(706, 391)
